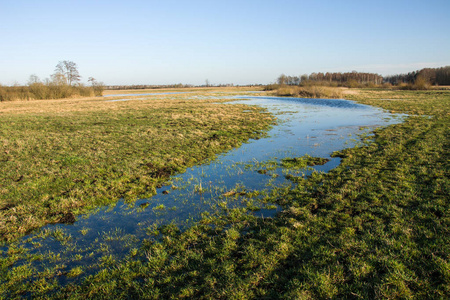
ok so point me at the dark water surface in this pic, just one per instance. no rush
(306, 126)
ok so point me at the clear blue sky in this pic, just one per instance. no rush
(240, 42)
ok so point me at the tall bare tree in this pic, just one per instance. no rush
(67, 70)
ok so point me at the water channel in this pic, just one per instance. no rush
(305, 126)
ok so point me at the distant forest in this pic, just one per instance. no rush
(433, 76)
(336, 78)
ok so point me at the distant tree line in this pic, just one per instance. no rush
(334, 79)
(64, 83)
(421, 79)
(434, 76)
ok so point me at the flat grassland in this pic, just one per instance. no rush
(375, 227)
(60, 158)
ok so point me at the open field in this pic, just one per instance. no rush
(375, 227)
(203, 90)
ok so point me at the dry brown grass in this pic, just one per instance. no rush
(312, 91)
(233, 89)
(92, 104)
(348, 91)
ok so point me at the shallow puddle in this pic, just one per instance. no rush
(306, 126)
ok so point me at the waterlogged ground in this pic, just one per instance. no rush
(242, 177)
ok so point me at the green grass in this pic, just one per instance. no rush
(375, 227)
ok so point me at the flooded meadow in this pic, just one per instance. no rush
(242, 177)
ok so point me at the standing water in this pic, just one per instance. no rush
(316, 127)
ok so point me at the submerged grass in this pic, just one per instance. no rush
(303, 162)
(377, 226)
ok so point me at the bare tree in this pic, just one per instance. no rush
(68, 71)
(282, 79)
(58, 79)
(33, 79)
(97, 86)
